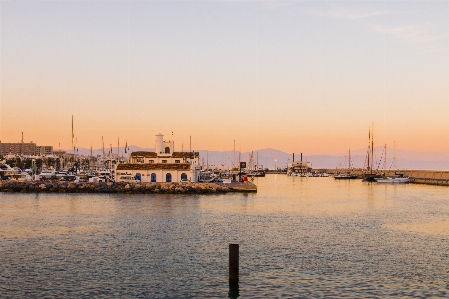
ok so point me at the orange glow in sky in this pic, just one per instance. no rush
(302, 76)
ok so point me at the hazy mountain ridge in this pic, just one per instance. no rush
(268, 157)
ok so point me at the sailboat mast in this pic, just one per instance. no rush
(233, 162)
(369, 147)
(349, 160)
(72, 138)
(372, 148)
(91, 158)
(394, 156)
(385, 161)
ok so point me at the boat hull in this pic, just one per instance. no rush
(370, 177)
(393, 180)
(346, 177)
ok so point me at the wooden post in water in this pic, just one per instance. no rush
(233, 263)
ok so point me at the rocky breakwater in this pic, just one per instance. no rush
(101, 187)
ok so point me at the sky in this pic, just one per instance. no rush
(298, 76)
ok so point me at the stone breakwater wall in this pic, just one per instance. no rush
(101, 187)
(427, 177)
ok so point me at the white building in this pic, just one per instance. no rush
(163, 165)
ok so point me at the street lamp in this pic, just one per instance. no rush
(275, 160)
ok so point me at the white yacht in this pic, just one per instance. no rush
(6, 171)
(46, 173)
(397, 179)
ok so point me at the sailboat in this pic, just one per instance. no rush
(370, 176)
(398, 178)
(256, 170)
(347, 176)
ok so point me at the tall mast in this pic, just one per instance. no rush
(91, 158)
(369, 147)
(73, 146)
(233, 162)
(385, 161)
(372, 148)
(349, 160)
(102, 142)
(394, 156)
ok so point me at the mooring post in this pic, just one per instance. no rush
(233, 263)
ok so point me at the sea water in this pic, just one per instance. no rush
(298, 237)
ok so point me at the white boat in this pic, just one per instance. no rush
(21, 176)
(397, 179)
(6, 171)
(46, 173)
(128, 178)
(60, 174)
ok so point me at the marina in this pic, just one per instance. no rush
(224, 149)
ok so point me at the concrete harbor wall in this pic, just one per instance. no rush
(101, 187)
(429, 177)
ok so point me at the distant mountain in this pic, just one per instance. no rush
(270, 157)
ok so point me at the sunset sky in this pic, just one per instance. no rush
(299, 76)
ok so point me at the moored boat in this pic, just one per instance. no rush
(397, 179)
(371, 177)
(346, 176)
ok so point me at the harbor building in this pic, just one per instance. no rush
(19, 148)
(24, 149)
(162, 165)
(44, 150)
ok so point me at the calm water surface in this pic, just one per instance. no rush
(299, 238)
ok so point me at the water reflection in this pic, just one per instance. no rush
(234, 290)
(302, 237)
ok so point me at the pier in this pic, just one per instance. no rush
(428, 177)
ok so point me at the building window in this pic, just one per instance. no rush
(167, 150)
(150, 161)
(183, 176)
(177, 161)
(164, 161)
(140, 160)
(153, 177)
(168, 177)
